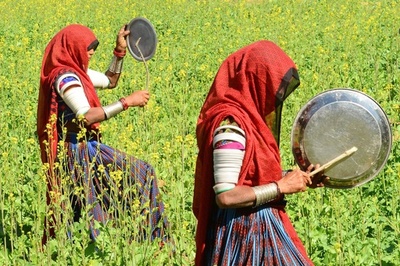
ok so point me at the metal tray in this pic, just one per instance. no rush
(335, 121)
(141, 28)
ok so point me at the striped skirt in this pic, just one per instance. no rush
(110, 182)
(250, 237)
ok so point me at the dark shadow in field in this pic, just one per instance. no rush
(8, 236)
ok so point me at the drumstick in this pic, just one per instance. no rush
(335, 160)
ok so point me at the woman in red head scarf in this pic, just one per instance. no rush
(239, 183)
(68, 118)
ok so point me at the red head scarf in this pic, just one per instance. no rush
(247, 87)
(67, 51)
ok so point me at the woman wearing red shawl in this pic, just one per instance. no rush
(68, 119)
(239, 184)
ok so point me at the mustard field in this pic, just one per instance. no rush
(335, 44)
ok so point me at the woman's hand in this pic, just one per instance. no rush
(295, 181)
(121, 44)
(138, 98)
(318, 179)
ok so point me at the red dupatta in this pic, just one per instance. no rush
(67, 51)
(246, 88)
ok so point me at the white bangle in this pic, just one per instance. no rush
(76, 99)
(227, 165)
(222, 187)
(99, 80)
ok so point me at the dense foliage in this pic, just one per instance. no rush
(334, 43)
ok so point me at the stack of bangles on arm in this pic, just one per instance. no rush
(266, 193)
(229, 143)
(116, 62)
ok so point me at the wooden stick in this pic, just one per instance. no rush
(335, 160)
(144, 62)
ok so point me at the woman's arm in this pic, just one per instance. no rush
(229, 143)
(98, 114)
(71, 91)
(244, 196)
(115, 68)
(293, 182)
(238, 197)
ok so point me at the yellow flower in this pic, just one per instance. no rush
(101, 168)
(337, 247)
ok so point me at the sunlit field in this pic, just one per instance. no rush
(352, 44)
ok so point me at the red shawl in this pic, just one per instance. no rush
(244, 88)
(67, 51)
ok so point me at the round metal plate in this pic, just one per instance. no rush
(141, 29)
(334, 122)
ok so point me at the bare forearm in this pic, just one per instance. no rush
(94, 115)
(115, 68)
(239, 197)
(113, 77)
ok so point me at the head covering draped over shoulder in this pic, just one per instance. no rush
(66, 52)
(249, 86)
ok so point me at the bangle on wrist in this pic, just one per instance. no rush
(265, 193)
(278, 190)
(124, 103)
(113, 109)
(119, 54)
(116, 65)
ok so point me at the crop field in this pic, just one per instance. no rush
(335, 44)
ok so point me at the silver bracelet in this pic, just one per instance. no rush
(113, 109)
(265, 193)
(116, 65)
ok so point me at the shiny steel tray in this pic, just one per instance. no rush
(335, 121)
